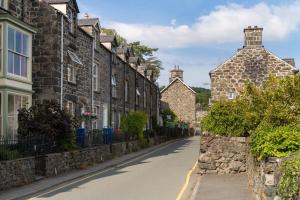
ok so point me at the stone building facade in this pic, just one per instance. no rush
(252, 63)
(180, 98)
(67, 60)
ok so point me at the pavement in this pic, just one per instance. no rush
(217, 187)
(156, 173)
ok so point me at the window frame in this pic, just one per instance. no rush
(96, 79)
(113, 86)
(15, 114)
(231, 95)
(70, 111)
(5, 6)
(71, 73)
(14, 52)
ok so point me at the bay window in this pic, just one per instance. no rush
(15, 102)
(18, 52)
(71, 74)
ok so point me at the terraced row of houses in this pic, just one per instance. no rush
(47, 53)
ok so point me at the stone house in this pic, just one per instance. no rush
(251, 63)
(179, 97)
(63, 58)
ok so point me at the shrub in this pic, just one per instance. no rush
(227, 118)
(49, 120)
(169, 117)
(275, 142)
(289, 185)
(134, 123)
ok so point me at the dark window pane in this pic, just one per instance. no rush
(11, 103)
(11, 39)
(17, 62)
(10, 62)
(18, 42)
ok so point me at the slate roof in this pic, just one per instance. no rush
(178, 79)
(133, 59)
(63, 1)
(88, 21)
(106, 38)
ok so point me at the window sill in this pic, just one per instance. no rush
(97, 92)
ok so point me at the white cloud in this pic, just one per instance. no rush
(222, 25)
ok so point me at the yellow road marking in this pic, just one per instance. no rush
(187, 180)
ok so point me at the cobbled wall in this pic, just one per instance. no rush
(264, 177)
(222, 155)
(16, 172)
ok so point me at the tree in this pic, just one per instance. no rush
(141, 50)
(202, 96)
(111, 32)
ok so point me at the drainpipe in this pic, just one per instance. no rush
(110, 88)
(93, 63)
(62, 61)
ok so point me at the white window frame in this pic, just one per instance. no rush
(71, 73)
(14, 116)
(113, 86)
(231, 95)
(96, 77)
(96, 122)
(14, 52)
(70, 108)
(4, 4)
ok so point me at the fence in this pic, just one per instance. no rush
(25, 146)
(21, 147)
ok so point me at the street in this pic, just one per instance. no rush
(159, 175)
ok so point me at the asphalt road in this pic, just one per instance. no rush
(159, 175)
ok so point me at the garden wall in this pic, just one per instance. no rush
(223, 155)
(23, 171)
(17, 172)
(264, 177)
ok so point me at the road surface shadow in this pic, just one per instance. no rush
(173, 148)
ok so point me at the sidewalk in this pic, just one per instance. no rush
(218, 187)
(45, 184)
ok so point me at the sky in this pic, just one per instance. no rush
(199, 35)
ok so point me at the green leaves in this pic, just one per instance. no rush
(289, 186)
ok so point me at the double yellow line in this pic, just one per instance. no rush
(187, 180)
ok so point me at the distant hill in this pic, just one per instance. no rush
(202, 96)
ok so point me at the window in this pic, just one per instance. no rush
(113, 119)
(71, 20)
(231, 95)
(96, 77)
(113, 86)
(3, 4)
(18, 52)
(82, 111)
(15, 102)
(1, 47)
(138, 94)
(71, 74)
(105, 115)
(70, 108)
(126, 91)
(96, 112)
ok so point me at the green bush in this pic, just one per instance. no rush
(134, 123)
(48, 120)
(227, 118)
(275, 142)
(289, 185)
(169, 117)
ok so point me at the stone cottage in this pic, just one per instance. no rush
(53, 55)
(251, 63)
(179, 97)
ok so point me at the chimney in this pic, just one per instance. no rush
(176, 73)
(253, 37)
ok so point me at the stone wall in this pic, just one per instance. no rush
(222, 155)
(264, 177)
(16, 172)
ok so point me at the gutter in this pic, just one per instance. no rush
(62, 62)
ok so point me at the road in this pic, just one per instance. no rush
(160, 175)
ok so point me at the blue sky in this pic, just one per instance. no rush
(199, 35)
